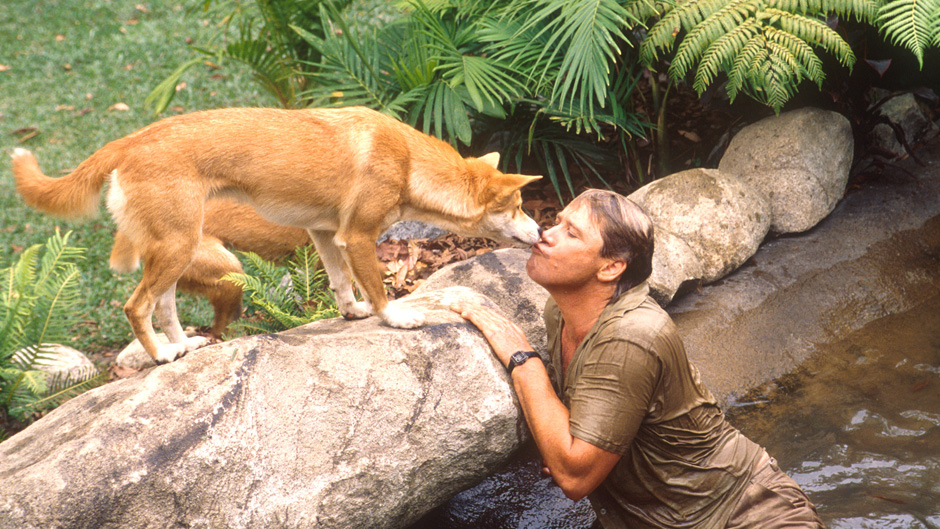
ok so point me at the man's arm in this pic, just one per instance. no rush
(578, 467)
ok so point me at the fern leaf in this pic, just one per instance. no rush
(810, 63)
(914, 24)
(815, 32)
(720, 55)
(720, 23)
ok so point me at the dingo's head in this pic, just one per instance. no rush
(503, 219)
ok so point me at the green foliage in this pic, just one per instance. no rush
(258, 34)
(543, 80)
(37, 301)
(765, 47)
(914, 24)
(282, 297)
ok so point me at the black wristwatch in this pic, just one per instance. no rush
(520, 357)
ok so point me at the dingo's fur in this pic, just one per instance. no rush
(226, 224)
(344, 175)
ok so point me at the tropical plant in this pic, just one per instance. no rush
(914, 24)
(283, 296)
(39, 293)
(481, 73)
(256, 33)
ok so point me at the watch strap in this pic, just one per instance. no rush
(520, 357)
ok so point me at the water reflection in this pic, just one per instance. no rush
(858, 427)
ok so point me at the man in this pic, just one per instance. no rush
(634, 428)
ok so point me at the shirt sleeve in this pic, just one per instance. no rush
(610, 399)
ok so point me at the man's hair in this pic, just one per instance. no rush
(626, 232)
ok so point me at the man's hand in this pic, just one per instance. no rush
(505, 337)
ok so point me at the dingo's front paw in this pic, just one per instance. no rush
(402, 318)
(167, 352)
(357, 310)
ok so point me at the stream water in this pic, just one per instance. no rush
(857, 426)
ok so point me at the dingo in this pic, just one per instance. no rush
(344, 175)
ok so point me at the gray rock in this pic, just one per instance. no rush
(134, 356)
(411, 229)
(706, 222)
(674, 266)
(799, 160)
(500, 276)
(59, 360)
(334, 424)
(904, 111)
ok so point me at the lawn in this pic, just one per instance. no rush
(74, 75)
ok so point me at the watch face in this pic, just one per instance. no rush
(518, 358)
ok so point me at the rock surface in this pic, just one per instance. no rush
(334, 424)
(799, 160)
(904, 111)
(707, 223)
(63, 361)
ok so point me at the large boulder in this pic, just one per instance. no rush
(799, 160)
(334, 424)
(706, 224)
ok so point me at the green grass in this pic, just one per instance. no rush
(65, 63)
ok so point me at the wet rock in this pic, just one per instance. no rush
(707, 223)
(333, 424)
(799, 160)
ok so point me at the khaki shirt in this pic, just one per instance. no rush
(631, 390)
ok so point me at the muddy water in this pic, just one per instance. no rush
(858, 426)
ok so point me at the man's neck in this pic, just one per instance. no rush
(581, 308)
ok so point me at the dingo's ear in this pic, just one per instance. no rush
(491, 159)
(529, 179)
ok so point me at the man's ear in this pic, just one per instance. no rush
(612, 270)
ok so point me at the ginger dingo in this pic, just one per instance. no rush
(344, 175)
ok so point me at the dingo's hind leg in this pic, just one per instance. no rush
(165, 260)
(168, 319)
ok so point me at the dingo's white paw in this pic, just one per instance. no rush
(167, 352)
(194, 342)
(357, 310)
(402, 318)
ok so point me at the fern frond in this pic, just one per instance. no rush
(810, 63)
(720, 23)
(720, 55)
(814, 32)
(753, 53)
(914, 24)
(862, 10)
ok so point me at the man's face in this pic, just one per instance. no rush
(568, 254)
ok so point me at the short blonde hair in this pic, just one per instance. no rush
(626, 231)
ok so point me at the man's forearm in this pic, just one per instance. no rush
(578, 467)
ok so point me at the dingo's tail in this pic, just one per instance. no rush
(72, 196)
